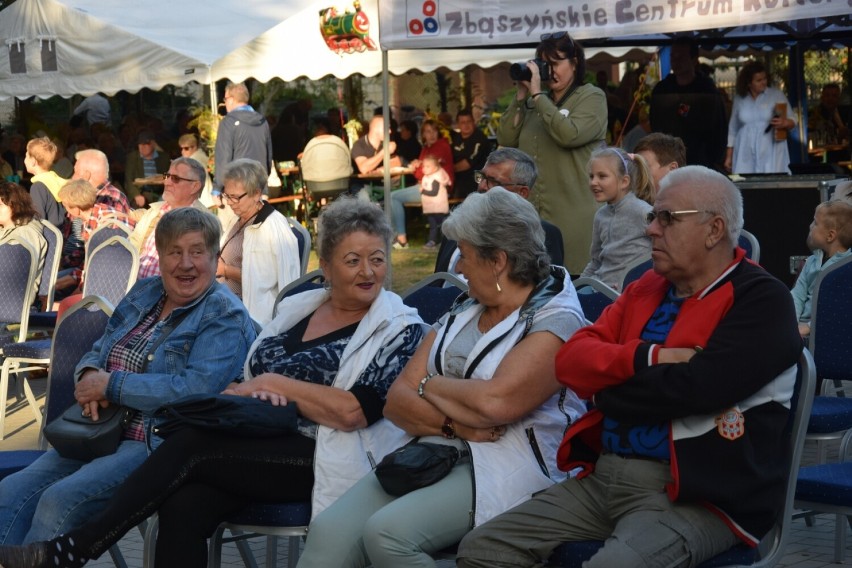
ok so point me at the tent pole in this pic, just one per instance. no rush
(214, 105)
(386, 148)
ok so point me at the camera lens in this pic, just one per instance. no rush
(520, 72)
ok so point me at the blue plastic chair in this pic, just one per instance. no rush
(77, 331)
(594, 296)
(432, 301)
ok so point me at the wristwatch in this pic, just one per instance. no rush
(448, 430)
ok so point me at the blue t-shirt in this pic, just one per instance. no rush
(649, 440)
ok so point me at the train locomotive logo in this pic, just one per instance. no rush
(347, 32)
(424, 18)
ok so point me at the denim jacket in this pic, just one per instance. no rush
(180, 365)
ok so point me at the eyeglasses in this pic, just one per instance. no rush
(554, 35)
(479, 177)
(175, 178)
(233, 198)
(666, 218)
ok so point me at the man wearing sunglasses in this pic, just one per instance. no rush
(691, 372)
(182, 185)
(515, 171)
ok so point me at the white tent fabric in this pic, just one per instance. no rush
(116, 45)
(109, 46)
(407, 24)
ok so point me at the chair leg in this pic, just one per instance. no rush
(246, 553)
(271, 551)
(31, 399)
(4, 388)
(293, 550)
(839, 538)
(149, 541)
(116, 556)
(214, 555)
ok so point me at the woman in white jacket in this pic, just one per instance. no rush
(509, 415)
(334, 352)
(259, 252)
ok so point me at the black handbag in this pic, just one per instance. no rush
(416, 465)
(79, 437)
(237, 415)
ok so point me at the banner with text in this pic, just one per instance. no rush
(456, 23)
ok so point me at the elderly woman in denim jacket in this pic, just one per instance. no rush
(208, 333)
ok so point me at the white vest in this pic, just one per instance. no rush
(342, 458)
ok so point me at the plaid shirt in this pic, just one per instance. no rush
(98, 212)
(113, 198)
(129, 353)
(149, 258)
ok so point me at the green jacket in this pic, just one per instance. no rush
(561, 146)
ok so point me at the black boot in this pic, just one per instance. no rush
(57, 553)
(28, 556)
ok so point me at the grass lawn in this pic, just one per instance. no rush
(407, 266)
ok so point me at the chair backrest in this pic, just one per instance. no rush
(107, 229)
(18, 273)
(76, 332)
(594, 297)
(310, 281)
(635, 270)
(53, 236)
(431, 302)
(111, 269)
(773, 544)
(752, 247)
(304, 238)
(831, 322)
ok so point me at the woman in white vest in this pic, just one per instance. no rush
(508, 416)
(334, 352)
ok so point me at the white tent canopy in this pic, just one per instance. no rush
(110, 46)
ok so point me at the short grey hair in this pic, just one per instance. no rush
(250, 173)
(710, 191)
(176, 223)
(239, 91)
(499, 220)
(96, 158)
(198, 171)
(525, 171)
(347, 215)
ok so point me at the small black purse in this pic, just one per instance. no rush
(416, 465)
(80, 438)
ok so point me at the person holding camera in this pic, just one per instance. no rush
(558, 120)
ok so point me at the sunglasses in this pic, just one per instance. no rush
(176, 178)
(666, 218)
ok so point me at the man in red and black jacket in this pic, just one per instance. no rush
(691, 372)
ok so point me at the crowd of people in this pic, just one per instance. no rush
(617, 431)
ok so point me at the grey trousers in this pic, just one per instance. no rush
(623, 503)
(366, 526)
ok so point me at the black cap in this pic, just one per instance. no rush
(144, 137)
